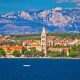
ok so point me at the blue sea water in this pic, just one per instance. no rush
(39, 69)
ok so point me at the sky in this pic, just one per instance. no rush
(7, 6)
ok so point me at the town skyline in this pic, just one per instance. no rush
(42, 45)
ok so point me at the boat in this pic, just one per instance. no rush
(26, 65)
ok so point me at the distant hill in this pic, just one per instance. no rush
(32, 21)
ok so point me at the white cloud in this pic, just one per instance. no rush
(68, 1)
(77, 2)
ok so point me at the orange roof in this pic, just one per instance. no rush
(50, 38)
(35, 44)
(17, 47)
(36, 40)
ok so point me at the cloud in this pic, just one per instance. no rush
(77, 2)
(68, 1)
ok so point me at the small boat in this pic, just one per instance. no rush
(26, 65)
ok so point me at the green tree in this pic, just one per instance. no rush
(55, 53)
(33, 52)
(28, 54)
(2, 53)
(24, 50)
(52, 53)
(74, 53)
(74, 47)
(63, 53)
(36, 53)
(78, 48)
(41, 53)
(48, 52)
(16, 53)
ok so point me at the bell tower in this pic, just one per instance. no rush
(43, 40)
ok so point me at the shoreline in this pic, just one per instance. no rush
(37, 58)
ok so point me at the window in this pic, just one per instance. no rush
(43, 36)
(50, 43)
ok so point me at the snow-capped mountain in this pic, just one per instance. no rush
(54, 20)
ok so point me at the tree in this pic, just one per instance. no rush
(41, 53)
(24, 51)
(78, 48)
(33, 52)
(16, 53)
(63, 53)
(27, 53)
(36, 53)
(74, 53)
(48, 52)
(74, 47)
(2, 53)
(55, 53)
(52, 53)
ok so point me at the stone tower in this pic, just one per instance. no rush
(43, 40)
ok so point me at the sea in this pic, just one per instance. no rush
(39, 69)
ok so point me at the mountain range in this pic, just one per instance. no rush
(32, 21)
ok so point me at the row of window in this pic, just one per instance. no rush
(43, 36)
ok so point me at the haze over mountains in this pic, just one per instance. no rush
(32, 21)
